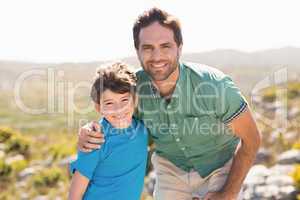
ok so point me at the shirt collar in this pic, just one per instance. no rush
(109, 130)
(178, 82)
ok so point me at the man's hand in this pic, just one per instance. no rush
(219, 196)
(90, 137)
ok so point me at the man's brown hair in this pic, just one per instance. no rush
(160, 16)
(116, 77)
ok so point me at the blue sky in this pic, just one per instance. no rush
(89, 30)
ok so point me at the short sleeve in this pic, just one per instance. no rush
(86, 163)
(231, 103)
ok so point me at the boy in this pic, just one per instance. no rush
(117, 170)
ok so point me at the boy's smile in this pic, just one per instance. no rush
(117, 108)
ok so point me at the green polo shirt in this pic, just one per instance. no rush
(190, 129)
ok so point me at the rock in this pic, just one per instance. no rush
(21, 184)
(2, 154)
(289, 157)
(291, 136)
(41, 197)
(67, 160)
(287, 189)
(263, 156)
(150, 182)
(280, 180)
(46, 162)
(2, 146)
(254, 180)
(29, 172)
(267, 191)
(269, 184)
(282, 169)
(13, 159)
(288, 192)
(293, 112)
(24, 196)
(259, 170)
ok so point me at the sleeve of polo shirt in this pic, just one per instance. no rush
(231, 103)
(86, 163)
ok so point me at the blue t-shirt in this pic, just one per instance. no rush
(117, 169)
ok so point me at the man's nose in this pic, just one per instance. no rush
(156, 55)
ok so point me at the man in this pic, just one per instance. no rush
(204, 134)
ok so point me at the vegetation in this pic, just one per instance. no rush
(48, 138)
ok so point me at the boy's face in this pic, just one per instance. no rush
(117, 108)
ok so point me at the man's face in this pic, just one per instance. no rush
(158, 51)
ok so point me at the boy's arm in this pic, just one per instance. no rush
(79, 184)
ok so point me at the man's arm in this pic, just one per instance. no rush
(245, 128)
(90, 137)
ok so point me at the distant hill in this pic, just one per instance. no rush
(288, 56)
(245, 68)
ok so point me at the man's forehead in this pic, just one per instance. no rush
(156, 33)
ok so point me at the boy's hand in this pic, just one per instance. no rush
(90, 137)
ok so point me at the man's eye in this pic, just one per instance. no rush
(108, 104)
(125, 100)
(146, 48)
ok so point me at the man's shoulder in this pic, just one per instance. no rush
(141, 75)
(202, 72)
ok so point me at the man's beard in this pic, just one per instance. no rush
(157, 76)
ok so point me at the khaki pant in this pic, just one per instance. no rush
(172, 183)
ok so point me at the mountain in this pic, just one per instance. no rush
(245, 68)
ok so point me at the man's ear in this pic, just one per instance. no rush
(179, 50)
(138, 55)
(136, 100)
(97, 107)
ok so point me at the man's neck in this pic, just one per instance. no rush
(167, 87)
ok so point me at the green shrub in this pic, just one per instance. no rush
(19, 145)
(19, 165)
(293, 90)
(296, 176)
(59, 151)
(5, 170)
(296, 145)
(5, 134)
(47, 178)
(269, 94)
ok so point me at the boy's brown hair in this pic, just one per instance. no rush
(116, 77)
(163, 18)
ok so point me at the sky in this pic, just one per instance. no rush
(94, 30)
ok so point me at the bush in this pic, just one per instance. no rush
(15, 143)
(5, 134)
(47, 178)
(296, 176)
(296, 145)
(19, 145)
(59, 151)
(5, 170)
(19, 165)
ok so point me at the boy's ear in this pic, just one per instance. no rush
(97, 107)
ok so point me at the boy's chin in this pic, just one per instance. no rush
(122, 124)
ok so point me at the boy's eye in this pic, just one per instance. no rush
(125, 100)
(108, 104)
